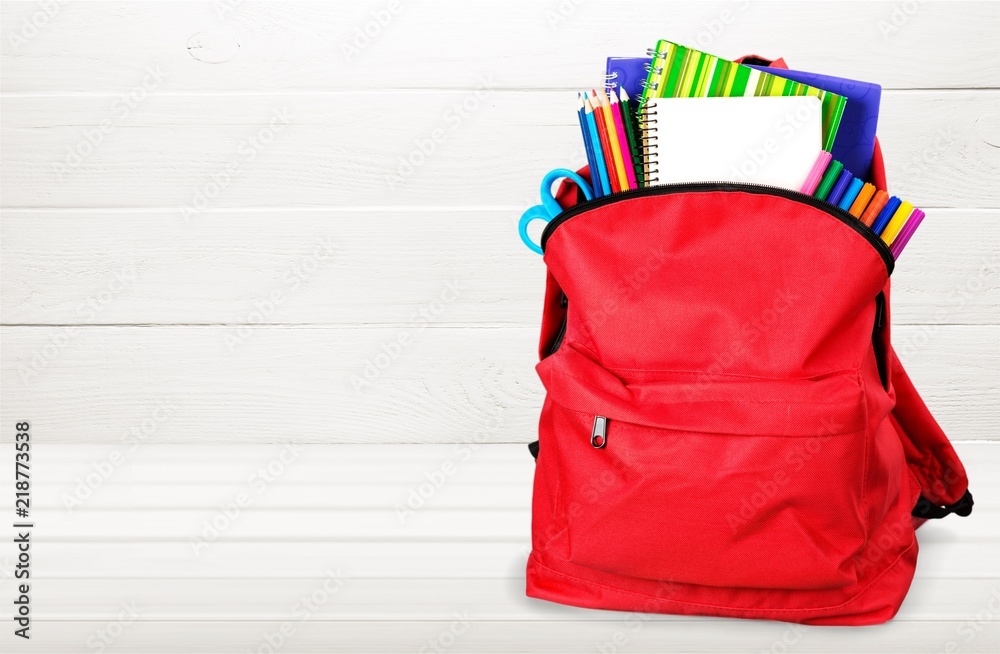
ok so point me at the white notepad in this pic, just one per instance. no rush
(761, 140)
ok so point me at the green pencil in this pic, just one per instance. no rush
(633, 143)
(829, 179)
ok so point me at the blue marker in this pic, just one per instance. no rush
(886, 214)
(851, 194)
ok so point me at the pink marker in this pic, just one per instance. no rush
(906, 232)
(816, 174)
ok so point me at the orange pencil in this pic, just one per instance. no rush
(860, 202)
(602, 131)
(874, 207)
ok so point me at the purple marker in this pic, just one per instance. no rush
(905, 233)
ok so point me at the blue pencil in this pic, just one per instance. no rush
(586, 143)
(886, 214)
(598, 152)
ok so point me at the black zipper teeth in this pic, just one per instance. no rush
(761, 189)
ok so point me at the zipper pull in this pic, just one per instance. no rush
(599, 435)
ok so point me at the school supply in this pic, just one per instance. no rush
(602, 130)
(731, 139)
(906, 233)
(599, 174)
(550, 207)
(628, 73)
(680, 72)
(875, 207)
(625, 149)
(816, 173)
(839, 187)
(616, 147)
(861, 202)
(855, 141)
(829, 179)
(886, 214)
(851, 194)
(587, 146)
(896, 222)
(631, 129)
(663, 379)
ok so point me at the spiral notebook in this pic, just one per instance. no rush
(680, 72)
(773, 140)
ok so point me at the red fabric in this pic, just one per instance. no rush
(754, 465)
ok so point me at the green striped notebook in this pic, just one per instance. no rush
(680, 72)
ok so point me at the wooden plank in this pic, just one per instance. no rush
(183, 384)
(465, 634)
(135, 267)
(286, 46)
(190, 154)
(358, 384)
(941, 556)
(392, 599)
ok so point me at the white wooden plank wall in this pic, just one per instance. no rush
(210, 248)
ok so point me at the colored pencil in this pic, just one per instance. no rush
(829, 179)
(874, 207)
(588, 148)
(816, 174)
(628, 118)
(616, 150)
(906, 233)
(595, 143)
(896, 222)
(624, 147)
(860, 202)
(609, 161)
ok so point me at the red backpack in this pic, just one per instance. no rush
(727, 430)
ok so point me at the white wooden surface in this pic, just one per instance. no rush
(215, 335)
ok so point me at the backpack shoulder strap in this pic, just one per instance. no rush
(944, 485)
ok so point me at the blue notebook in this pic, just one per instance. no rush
(855, 142)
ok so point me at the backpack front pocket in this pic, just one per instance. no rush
(717, 480)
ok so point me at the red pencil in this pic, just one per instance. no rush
(602, 131)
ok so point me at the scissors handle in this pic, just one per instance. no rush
(549, 208)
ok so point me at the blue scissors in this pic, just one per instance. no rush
(549, 208)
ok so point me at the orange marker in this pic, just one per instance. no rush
(860, 202)
(874, 207)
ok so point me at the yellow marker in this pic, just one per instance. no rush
(896, 222)
(616, 148)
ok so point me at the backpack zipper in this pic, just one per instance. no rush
(599, 434)
(760, 189)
